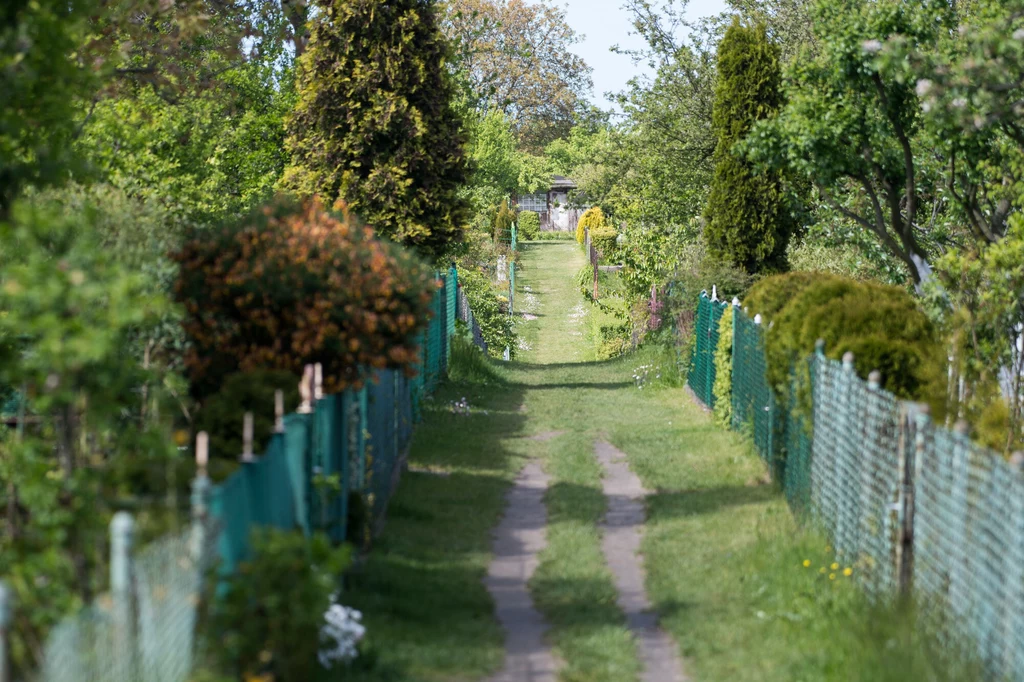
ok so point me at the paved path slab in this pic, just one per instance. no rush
(622, 531)
(518, 539)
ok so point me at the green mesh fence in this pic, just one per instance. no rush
(451, 310)
(701, 377)
(511, 288)
(352, 443)
(753, 402)
(911, 505)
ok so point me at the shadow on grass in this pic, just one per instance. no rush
(677, 504)
(427, 612)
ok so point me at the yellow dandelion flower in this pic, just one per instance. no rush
(822, 570)
(831, 576)
(807, 563)
(847, 571)
(834, 567)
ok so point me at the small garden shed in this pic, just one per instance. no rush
(554, 206)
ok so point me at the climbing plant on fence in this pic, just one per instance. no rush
(913, 506)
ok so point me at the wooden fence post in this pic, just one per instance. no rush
(201, 488)
(6, 618)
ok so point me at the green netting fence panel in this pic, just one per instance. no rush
(511, 287)
(753, 402)
(451, 311)
(434, 354)
(384, 440)
(701, 375)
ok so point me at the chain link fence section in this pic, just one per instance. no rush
(143, 630)
(969, 543)
(914, 506)
(466, 315)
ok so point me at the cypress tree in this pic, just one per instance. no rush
(374, 123)
(503, 220)
(748, 220)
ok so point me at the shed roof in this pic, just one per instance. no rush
(562, 182)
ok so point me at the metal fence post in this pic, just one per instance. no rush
(6, 618)
(122, 591)
(921, 419)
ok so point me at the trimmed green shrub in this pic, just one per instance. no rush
(603, 239)
(723, 370)
(591, 219)
(881, 325)
(221, 413)
(529, 225)
(772, 294)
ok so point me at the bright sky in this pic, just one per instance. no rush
(605, 23)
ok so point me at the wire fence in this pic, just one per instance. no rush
(335, 452)
(916, 507)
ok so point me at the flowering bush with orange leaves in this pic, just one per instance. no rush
(294, 284)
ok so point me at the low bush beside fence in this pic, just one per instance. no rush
(918, 509)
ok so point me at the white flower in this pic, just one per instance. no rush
(960, 103)
(924, 86)
(1018, 34)
(340, 635)
(872, 46)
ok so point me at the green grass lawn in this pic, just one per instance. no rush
(723, 552)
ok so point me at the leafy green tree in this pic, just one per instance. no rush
(971, 89)
(851, 124)
(982, 293)
(748, 217)
(59, 60)
(375, 125)
(206, 157)
(71, 312)
(499, 168)
(517, 59)
(42, 89)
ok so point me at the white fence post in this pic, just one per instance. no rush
(122, 590)
(6, 618)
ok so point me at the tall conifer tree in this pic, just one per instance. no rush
(748, 219)
(374, 124)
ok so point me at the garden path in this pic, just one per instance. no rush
(510, 553)
(520, 538)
